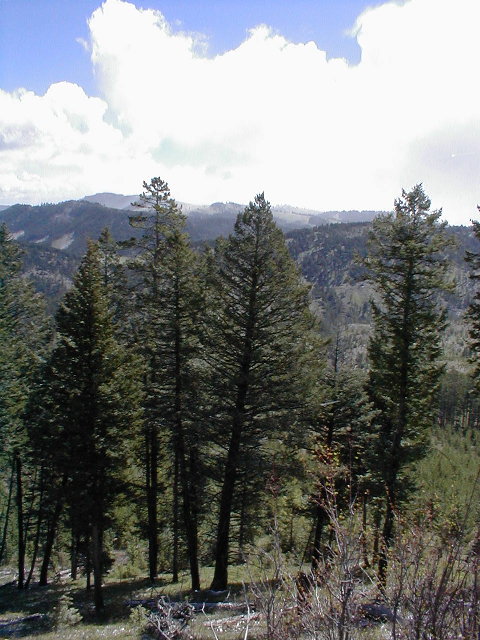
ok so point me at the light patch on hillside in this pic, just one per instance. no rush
(63, 242)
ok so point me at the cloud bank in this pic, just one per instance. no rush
(270, 115)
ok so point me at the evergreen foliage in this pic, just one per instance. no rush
(24, 341)
(185, 403)
(65, 615)
(406, 268)
(169, 301)
(92, 409)
(474, 309)
(341, 442)
(258, 334)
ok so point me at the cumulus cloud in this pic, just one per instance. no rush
(269, 115)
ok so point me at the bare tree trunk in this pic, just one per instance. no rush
(37, 532)
(175, 518)
(182, 468)
(88, 564)
(189, 512)
(52, 528)
(241, 533)
(220, 577)
(320, 520)
(97, 549)
(191, 520)
(152, 493)
(27, 516)
(7, 511)
(20, 526)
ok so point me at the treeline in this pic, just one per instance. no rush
(184, 398)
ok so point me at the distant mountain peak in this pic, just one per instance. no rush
(112, 200)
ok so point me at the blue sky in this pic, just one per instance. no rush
(39, 38)
(322, 104)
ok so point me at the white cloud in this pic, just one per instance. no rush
(269, 115)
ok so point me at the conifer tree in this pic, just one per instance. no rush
(24, 338)
(94, 400)
(168, 304)
(115, 283)
(342, 440)
(258, 326)
(474, 309)
(158, 212)
(407, 269)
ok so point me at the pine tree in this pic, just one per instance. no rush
(473, 315)
(258, 331)
(24, 338)
(342, 440)
(93, 400)
(159, 211)
(168, 304)
(407, 269)
(114, 279)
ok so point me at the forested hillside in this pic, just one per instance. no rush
(327, 256)
(68, 225)
(281, 399)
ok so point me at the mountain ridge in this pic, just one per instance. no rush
(67, 225)
(325, 254)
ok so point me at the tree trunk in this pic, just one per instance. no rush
(97, 549)
(37, 532)
(241, 533)
(34, 554)
(387, 538)
(20, 527)
(27, 515)
(192, 537)
(376, 536)
(320, 520)
(181, 451)
(152, 493)
(366, 563)
(47, 554)
(220, 577)
(188, 513)
(88, 564)
(7, 511)
(51, 533)
(175, 518)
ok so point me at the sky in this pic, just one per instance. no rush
(321, 104)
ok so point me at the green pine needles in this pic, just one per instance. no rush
(407, 269)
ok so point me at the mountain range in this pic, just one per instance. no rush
(67, 225)
(325, 245)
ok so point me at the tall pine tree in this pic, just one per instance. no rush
(474, 309)
(407, 269)
(24, 338)
(93, 398)
(168, 304)
(258, 333)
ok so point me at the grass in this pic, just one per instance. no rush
(114, 623)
